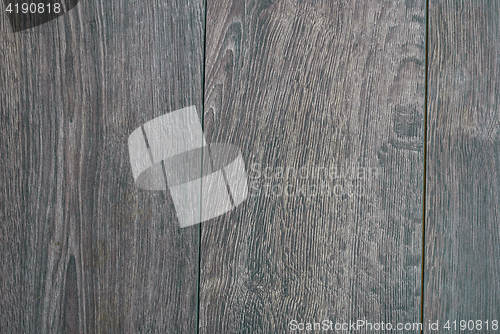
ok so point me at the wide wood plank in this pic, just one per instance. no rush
(324, 84)
(462, 267)
(71, 92)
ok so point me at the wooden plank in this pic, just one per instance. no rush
(462, 280)
(72, 91)
(319, 84)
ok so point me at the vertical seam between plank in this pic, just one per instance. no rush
(198, 282)
(424, 197)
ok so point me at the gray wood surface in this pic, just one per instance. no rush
(329, 84)
(333, 84)
(462, 268)
(82, 249)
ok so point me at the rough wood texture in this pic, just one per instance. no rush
(72, 90)
(324, 83)
(292, 83)
(462, 268)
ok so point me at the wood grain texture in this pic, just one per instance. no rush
(72, 91)
(325, 84)
(462, 279)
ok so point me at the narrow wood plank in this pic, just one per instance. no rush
(13, 218)
(75, 88)
(462, 276)
(318, 84)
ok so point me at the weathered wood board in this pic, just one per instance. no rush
(82, 249)
(462, 243)
(336, 88)
(323, 84)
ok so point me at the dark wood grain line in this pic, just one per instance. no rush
(328, 84)
(70, 306)
(462, 278)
